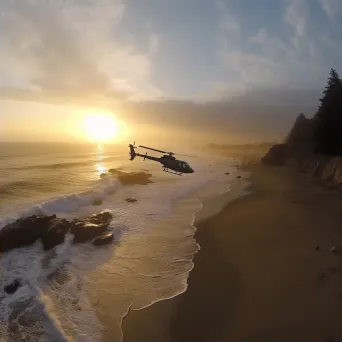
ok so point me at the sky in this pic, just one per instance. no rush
(252, 65)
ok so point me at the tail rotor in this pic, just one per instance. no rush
(131, 150)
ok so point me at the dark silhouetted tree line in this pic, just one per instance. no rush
(328, 119)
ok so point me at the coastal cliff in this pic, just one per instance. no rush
(328, 169)
(298, 151)
(314, 145)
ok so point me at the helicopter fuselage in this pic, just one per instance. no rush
(168, 161)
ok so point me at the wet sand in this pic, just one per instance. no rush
(259, 275)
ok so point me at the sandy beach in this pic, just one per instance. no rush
(264, 271)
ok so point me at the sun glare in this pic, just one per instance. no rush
(101, 127)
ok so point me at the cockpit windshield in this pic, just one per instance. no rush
(183, 164)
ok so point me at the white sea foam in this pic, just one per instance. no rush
(69, 203)
(44, 304)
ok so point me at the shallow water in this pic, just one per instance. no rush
(82, 292)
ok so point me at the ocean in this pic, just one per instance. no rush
(79, 292)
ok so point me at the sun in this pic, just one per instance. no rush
(101, 127)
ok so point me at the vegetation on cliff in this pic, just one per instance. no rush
(318, 137)
(322, 133)
(328, 119)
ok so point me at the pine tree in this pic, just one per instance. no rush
(328, 120)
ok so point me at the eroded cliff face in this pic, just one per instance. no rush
(324, 168)
(297, 145)
(277, 155)
(297, 151)
(301, 133)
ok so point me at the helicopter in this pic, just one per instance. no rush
(169, 162)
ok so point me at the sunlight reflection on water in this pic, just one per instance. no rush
(99, 166)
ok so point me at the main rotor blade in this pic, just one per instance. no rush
(153, 149)
(171, 153)
(186, 155)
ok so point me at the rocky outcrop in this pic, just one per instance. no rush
(131, 200)
(327, 169)
(298, 143)
(55, 233)
(24, 232)
(127, 178)
(13, 287)
(87, 229)
(301, 142)
(298, 152)
(301, 132)
(321, 167)
(51, 230)
(277, 155)
(104, 239)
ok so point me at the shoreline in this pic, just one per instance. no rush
(181, 215)
(213, 205)
(268, 248)
(162, 309)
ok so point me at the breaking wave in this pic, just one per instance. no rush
(32, 311)
(60, 205)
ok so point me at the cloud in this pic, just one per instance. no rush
(251, 68)
(270, 45)
(243, 67)
(332, 8)
(264, 59)
(228, 22)
(258, 115)
(70, 49)
(153, 43)
(297, 14)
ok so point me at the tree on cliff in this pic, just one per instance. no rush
(328, 119)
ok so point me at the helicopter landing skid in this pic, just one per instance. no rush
(173, 172)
